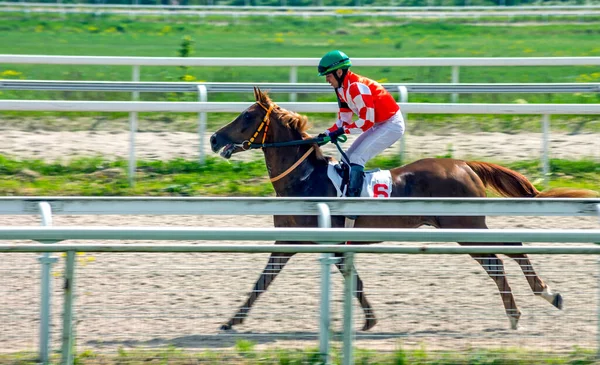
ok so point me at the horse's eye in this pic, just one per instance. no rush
(247, 116)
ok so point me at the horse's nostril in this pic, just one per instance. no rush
(213, 140)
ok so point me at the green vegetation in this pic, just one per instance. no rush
(339, 2)
(294, 37)
(218, 177)
(245, 353)
(223, 36)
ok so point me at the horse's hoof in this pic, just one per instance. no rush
(369, 323)
(514, 321)
(558, 301)
(225, 327)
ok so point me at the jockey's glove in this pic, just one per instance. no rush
(335, 134)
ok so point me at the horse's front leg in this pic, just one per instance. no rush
(276, 263)
(370, 319)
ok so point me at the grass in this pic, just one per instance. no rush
(293, 37)
(245, 353)
(99, 177)
(214, 36)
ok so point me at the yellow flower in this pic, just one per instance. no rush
(11, 73)
(188, 78)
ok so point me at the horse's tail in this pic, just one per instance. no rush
(509, 183)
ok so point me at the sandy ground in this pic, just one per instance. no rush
(487, 146)
(440, 302)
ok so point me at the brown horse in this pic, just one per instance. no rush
(301, 170)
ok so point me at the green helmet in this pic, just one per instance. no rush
(332, 61)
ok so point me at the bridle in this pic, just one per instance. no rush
(265, 124)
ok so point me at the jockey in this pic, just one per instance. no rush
(380, 122)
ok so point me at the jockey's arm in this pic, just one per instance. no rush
(363, 100)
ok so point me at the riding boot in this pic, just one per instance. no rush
(357, 177)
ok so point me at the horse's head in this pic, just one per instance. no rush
(263, 122)
(251, 126)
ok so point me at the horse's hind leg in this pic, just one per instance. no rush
(494, 266)
(370, 319)
(491, 263)
(276, 263)
(535, 282)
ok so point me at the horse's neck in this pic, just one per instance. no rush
(306, 179)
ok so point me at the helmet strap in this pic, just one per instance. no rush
(340, 79)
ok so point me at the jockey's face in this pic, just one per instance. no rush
(331, 79)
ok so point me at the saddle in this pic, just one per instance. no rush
(377, 184)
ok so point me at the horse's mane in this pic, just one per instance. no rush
(300, 124)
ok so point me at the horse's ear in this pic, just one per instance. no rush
(256, 93)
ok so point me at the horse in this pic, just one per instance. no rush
(299, 169)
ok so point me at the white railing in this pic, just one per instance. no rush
(454, 62)
(46, 206)
(303, 107)
(239, 87)
(290, 8)
(296, 62)
(546, 110)
(308, 11)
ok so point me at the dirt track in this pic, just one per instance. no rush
(444, 302)
(487, 146)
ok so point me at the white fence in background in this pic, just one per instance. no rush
(300, 88)
(324, 208)
(202, 107)
(546, 110)
(307, 11)
(454, 62)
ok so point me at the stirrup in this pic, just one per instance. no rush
(349, 222)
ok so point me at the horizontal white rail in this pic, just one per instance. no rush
(299, 8)
(373, 249)
(312, 62)
(511, 12)
(237, 107)
(299, 234)
(129, 86)
(301, 206)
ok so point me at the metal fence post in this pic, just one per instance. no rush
(202, 97)
(455, 80)
(348, 358)
(326, 261)
(403, 96)
(46, 290)
(293, 80)
(545, 148)
(133, 119)
(69, 289)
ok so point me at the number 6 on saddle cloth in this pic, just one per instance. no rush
(377, 183)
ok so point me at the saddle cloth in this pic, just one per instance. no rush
(377, 184)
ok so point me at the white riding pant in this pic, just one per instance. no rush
(375, 140)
